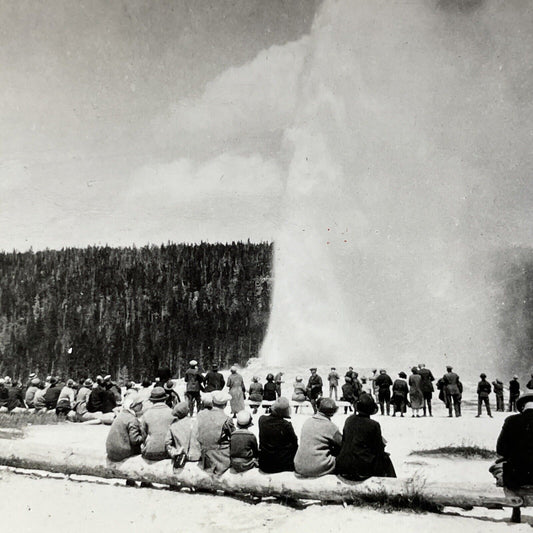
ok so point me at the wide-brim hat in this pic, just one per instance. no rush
(366, 405)
(220, 398)
(402, 375)
(313, 368)
(193, 362)
(281, 408)
(88, 383)
(523, 399)
(158, 394)
(35, 381)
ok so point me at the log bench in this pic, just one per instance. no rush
(300, 405)
(525, 494)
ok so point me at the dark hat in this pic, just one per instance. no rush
(366, 405)
(327, 406)
(449, 367)
(414, 369)
(482, 375)
(181, 410)
(270, 377)
(402, 375)
(158, 394)
(281, 408)
(312, 369)
(523, 399)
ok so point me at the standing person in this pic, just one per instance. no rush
(497, 386)
(453, 391)
(399, 394)
(173, 398)
(375, 388)
(362, 453)
(357, 385)
(320, 442)
(214, 380)
(214, 434)
(314, 388)
(366, 387)
(193, 380)
(415, 393)
(383, 383)
(236, 389)
(125, 434)
(514, 393)
(278, 379)
(426, 386)
(298, 394)
(155, 423)
(333, 379)
(181, 441)
(483, 391)
(244, 451)
(277, 441)
(348, 394)
(349, 372)
(255, 394)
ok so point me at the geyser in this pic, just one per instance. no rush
(409, 171)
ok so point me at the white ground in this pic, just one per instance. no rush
(29, 503)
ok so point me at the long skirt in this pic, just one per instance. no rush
(237, 399)
(416, 398)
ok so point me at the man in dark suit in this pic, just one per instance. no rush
(515, 444)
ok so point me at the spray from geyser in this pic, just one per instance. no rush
(409, 171)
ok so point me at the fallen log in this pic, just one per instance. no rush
(56, 457)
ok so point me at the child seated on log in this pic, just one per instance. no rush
(243, 444)
(182, 437)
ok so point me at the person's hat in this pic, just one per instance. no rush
(366, 405)
(35, 382)
(382, 371)
(270, 377)
(220, 398)
(169, 385)
(53, 380)
(514, 377)
(402, 375)
(207, 399)
(414, 369)
(244, 419)
(181, 410)
(99, 379)
(32, 375)
(524, 398)
(107, 377)
(333, 368)
(255, 379)
(7, 380)
(482, 375)
(214, 366)
(449, 368)
(70, 383)
(158, 394)
(312, 369)
(299, 378)
(193, 362)
(233, 369)
(281, 408)
(327, 406)
(88, 383)
(135, 405)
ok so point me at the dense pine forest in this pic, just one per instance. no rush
(129, 311)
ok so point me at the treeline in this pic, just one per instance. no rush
(129, 311)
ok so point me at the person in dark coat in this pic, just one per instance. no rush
(426, 386)
(269, 391)
(348, 394)
(314, 388)
(125, 435)
(514, 393)
(213, 380)
(278, 442)
(255, 394)
(383, 383)
(194, 381)
(362, 453)
(497, 387)
(452, 389)
(483, 390)
(52, 393)
(173, 398)
(515, 444)
(400, 389)
(244, 451)
(4, 395)
(101, 399)
(15, 398)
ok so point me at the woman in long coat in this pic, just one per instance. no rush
(415, 392)
(236, 388)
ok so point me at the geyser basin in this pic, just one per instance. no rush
(409, 172)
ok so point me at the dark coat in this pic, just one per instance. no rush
(255, 392)
(484, 388)
(515, 445)
(4, 395)
(15, 398)
(194, 380)
(214, 381)
(125, 437)
(427, 377)
(362, 452)
(383, 382)
(243, 450)
(51, 395)
(269, 391)
(400, 388)
(348, 394)
(314, 387)
(277, 444)
(514, 387)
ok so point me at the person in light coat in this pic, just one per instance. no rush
(155, 423)
(320, 442)
(182, 435)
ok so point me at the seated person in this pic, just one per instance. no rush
(155, 423)
(362, 453)
(182, 435)
(243, 445)
(277, 441)
(515, 444)
(255, 394)
(51, 396)
(66, 398)
(299, 392)
(30, 392)
(15, 400)
(125, 435)
(214, 433)
(38, 400)
(320, 442)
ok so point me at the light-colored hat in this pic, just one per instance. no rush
(514, 377)
(244, 419)
(7, 380)
(193, 362)
(158, 394)
(2, 381)
(32, 375)
(220, 398)
(107, 378)
(233, 369)
(281, 408)
(88, 383)
(35, 381)
(299, 378)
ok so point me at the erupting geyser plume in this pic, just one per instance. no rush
(410, 170)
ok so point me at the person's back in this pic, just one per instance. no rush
(348, 392)
(400, 387)
(193, 379)
(269, 391)
(51, 396)
(155, 423)
(243, 444)
(95, 400)
(15, 397)
(214, 380)
(451, 381)
(255, 392)
(514, 387)
(109, 401)
(299, 388)
(38, 400)
(30, 395)
(383, 382)
(426, 376)
(182, 435)
(125, 436)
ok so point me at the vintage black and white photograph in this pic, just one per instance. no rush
(266, 265)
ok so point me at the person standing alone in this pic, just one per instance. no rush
(333, 379)
(194, 381)
(514, 393)
(483, 390)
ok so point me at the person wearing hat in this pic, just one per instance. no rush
(30, 392)
(214, 433)
(426, 386)
(255, 394)
(155, 423)
(38, 399)
(452, 390)
(298, 392)
(66, 399)
(362, 454)
(244, 450)
(497, 387)
(101, 399)
(348, 393)
(15, 400)
(173, 397)
(194, 381)
(51, 396)
(181, 441)
(383, 383)
(269, 390)
(483, 390)
(214, 380)
(416, 398)
(515, 444)
(333, 380)
(320, 442)
(400, 390)
(277, 440)
(237, 390)
(314, 388)
(514, 393)
(114, 389)
(125, 434)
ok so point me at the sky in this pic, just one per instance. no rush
(136, 122)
